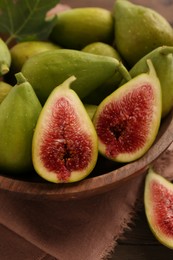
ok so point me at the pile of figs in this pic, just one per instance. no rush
(96, 90)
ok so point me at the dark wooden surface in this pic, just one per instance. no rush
(139, 243)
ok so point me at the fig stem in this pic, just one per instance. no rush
(152, 70)
(4, 69)
(20, 78)
(165, 50)
(123, 71)
(68, 81)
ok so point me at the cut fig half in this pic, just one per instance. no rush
(158, 201)
(128, 120)
(65, 146)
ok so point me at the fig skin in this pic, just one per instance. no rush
(127, 128)
(139, 30)
(46, 70)
(19, 112)
(4, 90)
(78, 27)
(22, 51)
(72, 153)
(158, 193)
(101, 48)
(105, 89)
(5, 58)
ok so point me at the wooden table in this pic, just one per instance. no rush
(139, 242)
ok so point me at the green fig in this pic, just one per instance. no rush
(162, 59)
(4, 90)
(64, 145)
(101, 48)
(77, 27)
(105, 89)
(128, 120)
(96, 96)
(158, 202)
(47, 70)
(19, 112)
(22, 51)
(139, 30)
(5, 58)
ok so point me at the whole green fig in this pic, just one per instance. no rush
(49, 69)
(139, 30)
(19, 112)
(5, 58)
(78, 27)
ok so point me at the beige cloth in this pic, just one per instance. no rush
(75, 230)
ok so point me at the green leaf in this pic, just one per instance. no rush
(26, 19)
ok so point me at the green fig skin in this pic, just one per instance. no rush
(18, 116)
(96, 96)
(5, 58)
(47, 70)
(128, 120)
(162, 59)
(158, 194)
(78, 27)
(105, 89)
(22, 51)
(139, 30)
(101, 48)
(65, 146)
(4, 90)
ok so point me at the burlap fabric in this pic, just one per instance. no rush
(76, 229)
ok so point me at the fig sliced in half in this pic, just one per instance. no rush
(158, 201)
(128, 120)
(65, 147)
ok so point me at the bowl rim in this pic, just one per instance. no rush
(95, 185)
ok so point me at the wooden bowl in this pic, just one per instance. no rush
(106, 176)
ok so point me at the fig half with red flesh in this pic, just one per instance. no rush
(158, 201)
(65, 146)
(128, 120)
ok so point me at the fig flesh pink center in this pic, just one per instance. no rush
(162, 208)
(66, 147)
(124, 124)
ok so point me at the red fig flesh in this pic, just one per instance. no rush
(158, 200)
(65, 142)
(128, 120)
